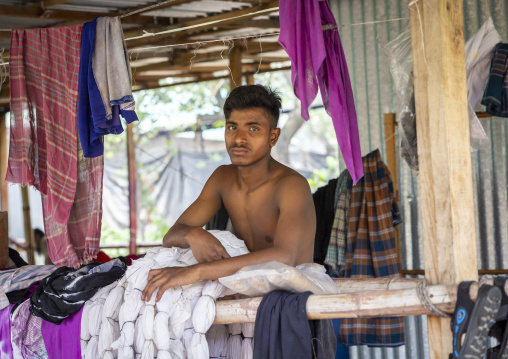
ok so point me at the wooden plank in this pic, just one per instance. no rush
(28, 225)
(4, 240)
(364, 304)
(201, 24)
(446, 187)
(4, 187)
(133, 211)
(391, 163)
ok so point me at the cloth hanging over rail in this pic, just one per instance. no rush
(5, 333)
(105, 84)
(26, 333)
(324, 206)
(44, 149)
(62, 341)
(495, 98)
(371, 250)
(310, 37)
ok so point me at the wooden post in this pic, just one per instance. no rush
(249, 78)
(4, 189)
(4, 240)
(391, 162)
(446, 185)
(133, 212)
(28, 225)
(235, 64)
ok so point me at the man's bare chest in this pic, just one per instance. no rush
(254, 216)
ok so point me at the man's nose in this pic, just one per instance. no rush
(240, 137)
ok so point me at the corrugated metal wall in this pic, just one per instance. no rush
(374, 96)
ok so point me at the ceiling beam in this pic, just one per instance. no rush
(184, 58)
(201, 24)
(34, 12)
(164, 6)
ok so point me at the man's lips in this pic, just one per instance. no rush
(238, 150)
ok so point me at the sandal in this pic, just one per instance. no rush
(461, 316)
(500, 329)
(481, 320)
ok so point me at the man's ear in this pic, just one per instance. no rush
(274, 136)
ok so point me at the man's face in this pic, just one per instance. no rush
(248, 136)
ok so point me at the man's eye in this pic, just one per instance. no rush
(231, 127)
(254, 129)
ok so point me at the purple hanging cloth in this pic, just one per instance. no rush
(63, 341)
(308, 33)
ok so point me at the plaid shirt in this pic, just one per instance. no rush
(371, 250)
(336, 254)
(21, 278)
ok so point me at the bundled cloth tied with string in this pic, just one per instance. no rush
(44, 150)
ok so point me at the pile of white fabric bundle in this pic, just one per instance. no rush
(173, 328)
(92, 342)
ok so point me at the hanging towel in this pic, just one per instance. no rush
(479, 50)
(105, 84)
(324, 205)
(310, 37)
(43, 133)
(495, 98)
(44, 148)
(336, 255)
(371, 250)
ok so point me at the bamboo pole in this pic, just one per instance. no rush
(28, 225)
(249, 78)
(4, 189)
(235, 65)
(446, 181)
(364, 304)
(131, 159)
(391, 163)
(4, 240)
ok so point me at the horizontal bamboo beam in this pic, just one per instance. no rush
(365, 304)
(480, 271)
(229, 17)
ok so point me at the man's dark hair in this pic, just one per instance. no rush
(39, 232)
(252, 96)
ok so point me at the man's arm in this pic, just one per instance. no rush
(297, 221)
(188, 229)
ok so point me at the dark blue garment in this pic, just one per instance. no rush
(93, 123)
(282, 329)
(88, 95)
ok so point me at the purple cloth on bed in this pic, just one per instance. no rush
(5, 333)
(63, 341)
(317, 59)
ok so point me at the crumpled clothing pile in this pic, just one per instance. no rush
(117, 323)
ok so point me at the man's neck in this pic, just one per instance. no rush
(252, 176)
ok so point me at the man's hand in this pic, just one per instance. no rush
(205, 247)
(169, 277)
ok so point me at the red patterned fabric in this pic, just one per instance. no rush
(44, 151)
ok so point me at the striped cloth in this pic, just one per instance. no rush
(495, 98)
(371, 250)
(336, 254)
(21, 278)
(43, 152)
(26, 333)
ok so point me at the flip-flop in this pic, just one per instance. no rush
(500, 351)
(482, 318)
(461, 316)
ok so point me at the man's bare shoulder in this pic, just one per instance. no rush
(290, 181)
(223, 174)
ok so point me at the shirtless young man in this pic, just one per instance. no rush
(270, 205)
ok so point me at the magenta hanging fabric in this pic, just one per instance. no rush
(308, 33)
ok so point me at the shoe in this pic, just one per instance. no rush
(481, 320)
(461, 315)
(500, 328)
